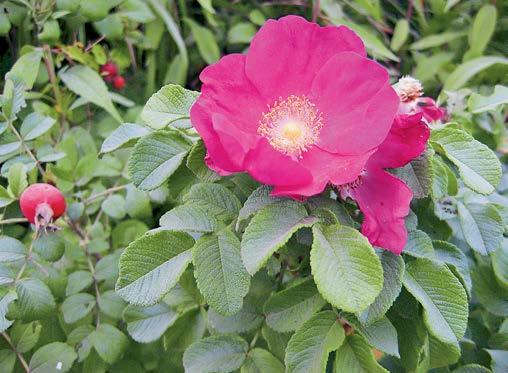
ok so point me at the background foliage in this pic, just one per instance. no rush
(234, 279)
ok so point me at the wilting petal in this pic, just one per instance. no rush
(357, 103)
(384, 201)
(406, 140)
(286, 54)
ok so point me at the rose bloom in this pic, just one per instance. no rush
(303, 108)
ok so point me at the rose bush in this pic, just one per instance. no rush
(327, 193)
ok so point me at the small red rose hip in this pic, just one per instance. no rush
(42, 204)
(109, 71)
(119, 82)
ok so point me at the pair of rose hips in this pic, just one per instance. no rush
(109, 71)
(42, 204)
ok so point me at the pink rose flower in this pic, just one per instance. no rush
(303, 108)
(410, 92)
(382, 197)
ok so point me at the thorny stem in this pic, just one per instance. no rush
(18, 354)
(105, 193)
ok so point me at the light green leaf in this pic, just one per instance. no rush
(419, 245)
(461, 75)
(277, 342)
(381, 334)
(125, 135)
(195, 163)
(88, 84)
(478, 165)
(35, 125)
(151, 265)
(4, 305)
(187, 329)
(114, 206)
(147, 324)
(400, 34)
(155, 158)
(499, 363)
(261, 361)
(109, 342)
(241, 33)
(417, 175)
(170, 104)
(309, 347)
(26, 68)
(5, 198)
(77, 306)
(17, 179)
(219, 271)
(52, 358)
(245, 320)
(355, 355)
(11, 249)
(456, 259)
(270, 229)
(111, 304)
(189, 218)
(482, 226)
(205, 40)
(256, 201)
(216, 199)
(472, 368)
(35, 300)
(442, 354)
(479, 104)
(488, 291)
(482, 29)
(500, 263)
(77, 281)
(436, 40)
(346, 269)
(223, 353)
(393, 272)
(442, 296)
(288, 309)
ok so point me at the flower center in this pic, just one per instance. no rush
(291, 126)
(408, 89)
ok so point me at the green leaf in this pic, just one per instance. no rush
(151, 265)
(393, 272)
(442, 296)
(17, 179)
(400, 34)
(216, 199)
(471, 368)
(205, 40)
(241, 33)
(288, 309)
(26, 68)
(482, 226)
(189, 218)
(261, 361)
(155, 158)
(7, 357)
(346, 269)
(11, 249)
(123, 136)
(88, 84)
(270, 229)
(309, 347)
(25, 336)
(355, 355)
(78, 281)
(4, 305)
(77, 306)
(195, 163)
(479, 104)
(499, 363)
(436, 40)
(456, 259)
(136, 10)
(35, 125)
(148, 324)
(442, 354)
(53, 357)
(114, 206)
(419, 245)
(109, 342)
(219, 271)
(277, 342)
(187, 329)
(35, 300)
(111, 304)
(256, 201)
(224, 353)
(500, 263)
(417, 175)
(170, 104)
(5, 198)
(381, 334)
(488, 291)
(482, 29)
(478, 166)
(245, 320)
(461, 75)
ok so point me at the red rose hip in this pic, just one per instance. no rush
(109, 71)
(119, 82)
(42, 203)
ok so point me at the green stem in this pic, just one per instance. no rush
(18, 354)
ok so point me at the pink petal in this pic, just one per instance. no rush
(431, 112)
(269, 166)
(384, 201)
(285, 55)
(226, 85)
(406, 141)
(357, 102)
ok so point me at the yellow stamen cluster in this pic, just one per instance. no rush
(292, 125)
